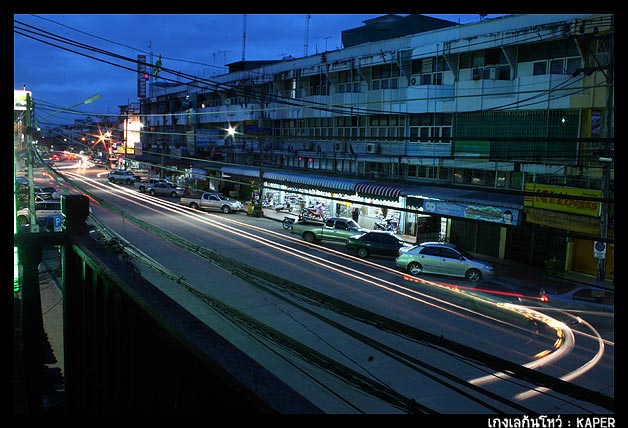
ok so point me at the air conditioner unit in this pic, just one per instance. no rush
(415, 80)
(339, 147)
(371, 148)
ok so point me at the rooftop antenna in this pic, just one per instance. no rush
(307, 33)
(243, 36)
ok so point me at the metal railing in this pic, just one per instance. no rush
(128, 347)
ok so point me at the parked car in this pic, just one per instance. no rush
(46, 192)
(376, 243)
(207, 201)
(585, 298)
(443, 259)
(42, 209)
(122, 176)
(165, 188)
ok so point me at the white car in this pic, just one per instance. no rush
(42, 209)
(122, 176)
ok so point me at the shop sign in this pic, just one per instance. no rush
(473, 212)
(556, 198)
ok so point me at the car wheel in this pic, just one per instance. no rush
(226, 209)
(112, 180)
(173, 194)
(414, 268)
(152, 192)
(473, 275)
(309, 237)
(362, 253)
(22, 221)
(194, 205)
(129, 181)
(142, 189)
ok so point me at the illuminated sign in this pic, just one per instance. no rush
(556, 198)
(19, 99)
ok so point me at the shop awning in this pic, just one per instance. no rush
(240, 170)
(377, 190)
(492, 198)
(337, 184)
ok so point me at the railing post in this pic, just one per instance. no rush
(32, 323)
(75, 210)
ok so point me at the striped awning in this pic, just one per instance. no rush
(337, 184)
(467, 196)
(377, 190)
(241, 171)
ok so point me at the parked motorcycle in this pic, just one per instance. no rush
(287, 222)
(283, 207)
(388, 224)
(311, 213)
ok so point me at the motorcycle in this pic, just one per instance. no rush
(388, 224)
(283, 207)
(287, 222)
(311, 213)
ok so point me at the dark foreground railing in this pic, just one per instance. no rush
(128, 347)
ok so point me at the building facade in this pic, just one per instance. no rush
(498, 133)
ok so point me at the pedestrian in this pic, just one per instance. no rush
(318, 207)
(355, 214)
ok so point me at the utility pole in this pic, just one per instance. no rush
(30, 159)
(243, 37)
(606, 158)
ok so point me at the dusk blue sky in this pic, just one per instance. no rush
(59, 73)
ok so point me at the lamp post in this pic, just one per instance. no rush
(34, 227)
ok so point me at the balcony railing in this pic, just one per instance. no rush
(128, 347)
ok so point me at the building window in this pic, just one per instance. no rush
(385, 76)
(430, 128)
(539, 68)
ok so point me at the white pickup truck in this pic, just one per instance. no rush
(207, 201)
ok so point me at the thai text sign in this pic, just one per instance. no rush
(475, 212)
(556, 198)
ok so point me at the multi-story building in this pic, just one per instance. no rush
(499, 133)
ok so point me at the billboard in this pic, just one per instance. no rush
(19, 99)
(557, 198)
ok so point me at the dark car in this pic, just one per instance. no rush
(583, 298)
(376, 243)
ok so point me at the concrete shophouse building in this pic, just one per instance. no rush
(498, 134)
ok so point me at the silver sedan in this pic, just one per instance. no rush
(443, 259)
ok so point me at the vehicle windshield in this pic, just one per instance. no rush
(352, 224)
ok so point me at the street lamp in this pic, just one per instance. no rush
(34, 227)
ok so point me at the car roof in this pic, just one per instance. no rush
(438, 244)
